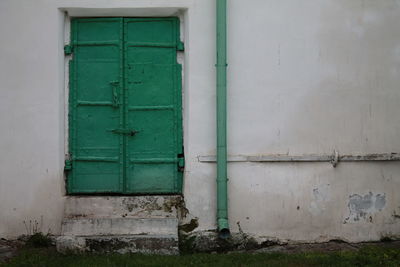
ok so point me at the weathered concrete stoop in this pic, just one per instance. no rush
(139, 224)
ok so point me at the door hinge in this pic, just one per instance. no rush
(68, 49)
(68, 165)
(181, 164)
(180, 46)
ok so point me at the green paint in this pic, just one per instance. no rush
(125, 112)
(68, 50)
(68, 165)
(222, 178)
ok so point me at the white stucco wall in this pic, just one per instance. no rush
(304, 77)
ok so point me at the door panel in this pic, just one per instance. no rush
(96, 151)
(150, 84)
(94, 131)
(151, 31)
(152, 155)
(156, 133)
(95, 87)
(125, 106)
(96, 176)
(158, 177)
(97, 29)
(150, 74)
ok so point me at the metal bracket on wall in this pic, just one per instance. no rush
(334, 158)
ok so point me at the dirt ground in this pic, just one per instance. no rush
(9, 248)
(331, 246)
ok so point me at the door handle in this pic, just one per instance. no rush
(125, 131)
(114, 85)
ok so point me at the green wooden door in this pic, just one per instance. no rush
(125, 106)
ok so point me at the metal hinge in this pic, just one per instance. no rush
(68, 165)
(180, 46)
(68, 49)
(181, 164)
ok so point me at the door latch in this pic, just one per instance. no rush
(125, 131)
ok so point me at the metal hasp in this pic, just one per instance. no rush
(222, 178)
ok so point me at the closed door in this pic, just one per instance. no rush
(125, 106)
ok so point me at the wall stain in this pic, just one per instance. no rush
(395, 215)
(363, 207)
(321, 195)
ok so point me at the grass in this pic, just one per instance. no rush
(367, 256)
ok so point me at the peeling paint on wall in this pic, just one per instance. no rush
(363, 207)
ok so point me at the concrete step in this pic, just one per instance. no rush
(146, 244)
(126, 207)
(119, 226)
(136, 224)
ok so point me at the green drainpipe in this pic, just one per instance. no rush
(222, 179)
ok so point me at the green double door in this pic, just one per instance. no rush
(125, 115)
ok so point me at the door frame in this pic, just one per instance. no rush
(181, 14)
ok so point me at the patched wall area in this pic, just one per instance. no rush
(363, 207)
